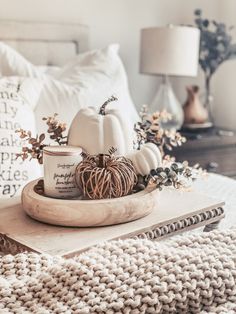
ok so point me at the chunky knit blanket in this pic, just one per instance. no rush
(194, 274)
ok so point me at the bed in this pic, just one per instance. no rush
(45, 43)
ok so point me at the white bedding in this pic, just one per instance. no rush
(87, 80)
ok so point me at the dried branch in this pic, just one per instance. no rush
(34, 149)
(177, 175)
(150, 130)
(56, 129)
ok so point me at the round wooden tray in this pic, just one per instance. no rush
(87, 213)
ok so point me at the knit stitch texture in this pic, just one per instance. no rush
(194, 274)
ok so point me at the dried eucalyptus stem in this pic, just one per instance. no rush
(34, 149)
(177, 175)
(149, 130)
(56, 129)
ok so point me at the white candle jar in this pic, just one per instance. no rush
(60, 163)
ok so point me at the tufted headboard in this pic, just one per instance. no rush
(45, 43)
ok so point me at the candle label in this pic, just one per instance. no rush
(59, 176)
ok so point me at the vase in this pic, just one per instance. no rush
(209, 98)
(194, 111)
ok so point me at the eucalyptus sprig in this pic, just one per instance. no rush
(216, 46)
(34, 145)
(177, 175)
(56, 129)
(149, 130)
(34, 149)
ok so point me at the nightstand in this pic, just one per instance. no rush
(214, 150)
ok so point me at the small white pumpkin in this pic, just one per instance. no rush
(97, 132)
(146, 159)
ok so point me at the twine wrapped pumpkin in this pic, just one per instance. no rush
(105, 176)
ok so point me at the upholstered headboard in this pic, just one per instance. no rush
(45, 43)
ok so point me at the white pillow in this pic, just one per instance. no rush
(18, 97)
(88, 80)
(50, 70)
(13, 63)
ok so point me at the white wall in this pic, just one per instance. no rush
(120, 21)
(224, 82)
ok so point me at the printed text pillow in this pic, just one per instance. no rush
(18, 97)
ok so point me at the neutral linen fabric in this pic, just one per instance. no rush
(18, 97)
(189, 275)
(87, 80)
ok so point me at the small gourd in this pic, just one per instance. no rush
(147, 158)
(96, 132)
(105, 176)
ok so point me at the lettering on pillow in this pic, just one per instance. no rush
(15, 113)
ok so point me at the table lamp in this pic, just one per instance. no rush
(169, 51)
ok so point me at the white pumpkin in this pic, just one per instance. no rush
(146, 159)
(97, 132)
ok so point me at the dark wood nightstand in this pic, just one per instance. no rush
(214, 150)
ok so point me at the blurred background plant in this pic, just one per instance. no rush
(216, 47)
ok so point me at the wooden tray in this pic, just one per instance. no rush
(87, 213)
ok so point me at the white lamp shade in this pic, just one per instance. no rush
(171, 50)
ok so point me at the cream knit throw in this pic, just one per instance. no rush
(194, 274)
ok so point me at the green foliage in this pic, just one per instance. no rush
(216, 44)
(175, 174)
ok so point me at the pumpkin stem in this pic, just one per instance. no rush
(102, 110)
(84, 155)
(101, 161)
(112, 151)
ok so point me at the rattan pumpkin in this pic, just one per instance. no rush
(105, 176)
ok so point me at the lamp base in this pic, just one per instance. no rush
(165, 99)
